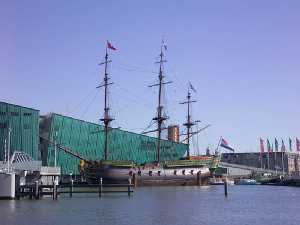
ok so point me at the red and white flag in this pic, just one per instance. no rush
(110, 46)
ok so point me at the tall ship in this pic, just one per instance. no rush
(185, 171)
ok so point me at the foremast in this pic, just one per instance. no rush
(106, 118)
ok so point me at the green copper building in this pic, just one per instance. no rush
(87, 139)
(23, 123)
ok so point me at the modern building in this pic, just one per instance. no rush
(23, 125)
(87, 139)
(286, 162)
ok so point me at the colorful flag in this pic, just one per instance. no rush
(262, 145)
(268, 145)
(276, 145)
(297, 144)
(290, 142)
(282, 146)
(225, 144)
(110, 46)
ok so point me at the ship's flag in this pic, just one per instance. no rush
(297, 144)
(262, 145)
(110, 46)
(282, 146)
(276, 145)
(269, 146)
(290, 144)
(225, 144)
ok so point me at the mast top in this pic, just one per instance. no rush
(189, 123)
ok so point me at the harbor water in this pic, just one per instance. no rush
(245, 205)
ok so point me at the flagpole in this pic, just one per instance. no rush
(282, 155)
(268, 159)
(275, 161)
(268, 155)
(282, 162)
(261, 153)
(218, 145)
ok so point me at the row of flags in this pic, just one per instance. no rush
(270, 148)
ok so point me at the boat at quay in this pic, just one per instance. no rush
(189, 170)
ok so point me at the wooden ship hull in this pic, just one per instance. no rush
(179, 172)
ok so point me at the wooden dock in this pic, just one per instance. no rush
(37, 191)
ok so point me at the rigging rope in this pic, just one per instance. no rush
(73, 109)
(88, 106)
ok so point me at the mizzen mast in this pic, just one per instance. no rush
(160, 118)
(189, 123)
(106, 118)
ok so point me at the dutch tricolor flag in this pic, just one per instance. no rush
(225, 144)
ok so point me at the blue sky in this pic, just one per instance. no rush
(241, 56)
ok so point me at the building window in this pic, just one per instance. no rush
(26, 114)
(2, 113)
(26, 126)
(14, 113)
(3, 125)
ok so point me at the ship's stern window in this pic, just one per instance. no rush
(150, 173)
(175, 172)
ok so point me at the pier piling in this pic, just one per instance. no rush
(36, 190)
(225, 187)
(129, 185)
(54, 191)
(71, 188)
(100, 187)
(199, 179)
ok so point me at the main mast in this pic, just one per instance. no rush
(189, 124)
(106, 118)
(160, 118)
